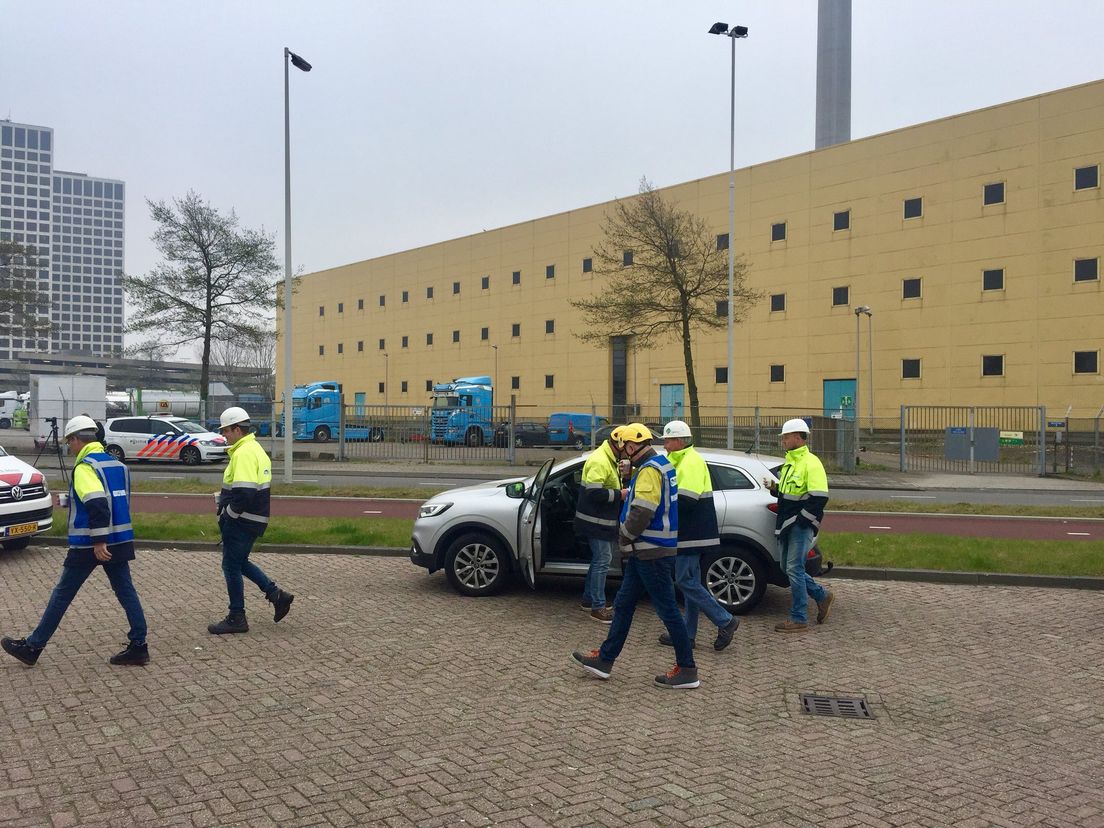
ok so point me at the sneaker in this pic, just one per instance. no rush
(679, 678)
(19, 648)
(824, 607)
(602, 616)
(282, 602)
(586, 606)
(134, 655)
(665, 640)
(233, 623)
(593, 664)
(725, 633)
(789, 626)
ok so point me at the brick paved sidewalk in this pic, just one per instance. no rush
(386, 699)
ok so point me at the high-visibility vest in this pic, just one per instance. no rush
(599, 502)
(245, 497)
(114, 479)
(662, 530)
(697, 514)
(802, 491)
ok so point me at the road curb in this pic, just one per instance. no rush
(938, 576)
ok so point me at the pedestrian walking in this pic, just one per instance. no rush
(698, 533)
(100, 534)
(648, 540)
(243, 510)
(597, 515)
(802, 491)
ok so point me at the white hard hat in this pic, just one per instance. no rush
(82, 422)
(233, 416)
(795, 426)
(676, 428)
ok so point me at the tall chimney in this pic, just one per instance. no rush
(833, 98)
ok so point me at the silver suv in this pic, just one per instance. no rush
(482, 534)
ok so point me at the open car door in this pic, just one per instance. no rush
(529, 526)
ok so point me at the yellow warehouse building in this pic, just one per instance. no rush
(976, 240)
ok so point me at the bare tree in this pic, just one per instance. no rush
(667, 278)
(258, 354)
(218, 281)
(24, 309)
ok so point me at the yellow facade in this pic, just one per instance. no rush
(1037, 322)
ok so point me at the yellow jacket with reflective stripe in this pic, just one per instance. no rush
(697, 513)
(245, 497)
(802, 491)
(599, 504)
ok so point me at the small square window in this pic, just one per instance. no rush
(778, 231)
(383, 301)
(722, 308)
(549, 326)
(360, 304)
(383, 344)
(841, 220)
(515, 383)
(910, 288)
(722, 241)
(550, 272)
(778, 373)
(993, 193)
(406, 342)
(485, 283)
(341, 347)
(588, 265)
(341, 307)
(321, 310)
(429, 292)
(321, 350)
(720, 375)
(429, 339)
(484, 334)
(515, 329)
(360, 346)
(777, 302)
(515, 277)
(381, 387)
(1086, 270)
(841, 296)
(627, 258)
(1086, 362)
(455, 288)
(910, 369)
(429, 385)
(992, 279)
(456, 336)
(402, 386)
(1086, 178)
(914, 207)
(992, 366)
(405, 296)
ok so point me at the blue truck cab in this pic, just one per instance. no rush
(571, 428)
(316, 415)
(463, 412)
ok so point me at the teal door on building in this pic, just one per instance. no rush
(670, 403)
(839, 398)
(358, 402)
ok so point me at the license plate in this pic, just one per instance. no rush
(22, 529)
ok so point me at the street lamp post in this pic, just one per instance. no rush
(289, 386)
(732, 34)
(859, 311)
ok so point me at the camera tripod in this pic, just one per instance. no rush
(53, 438)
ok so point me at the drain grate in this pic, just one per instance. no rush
(846, 707)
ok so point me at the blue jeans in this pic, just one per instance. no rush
(688, 578)
(594, 588)
(657, 579)
(69, 584)
(793, 547)
(236, 546)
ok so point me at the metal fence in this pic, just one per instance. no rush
(973, 439)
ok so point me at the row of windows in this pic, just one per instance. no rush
(485, 284)
(484, 336)
(515, 384)
(13, 136)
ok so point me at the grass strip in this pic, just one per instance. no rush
(963, 508)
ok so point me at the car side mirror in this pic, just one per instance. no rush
(516, 489)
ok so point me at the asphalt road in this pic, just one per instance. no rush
(867, 522)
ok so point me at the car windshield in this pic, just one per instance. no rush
(188, 427)
(446, 402)
(2, 452)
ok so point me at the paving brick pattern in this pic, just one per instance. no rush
(386, 699)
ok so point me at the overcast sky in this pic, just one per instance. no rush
(431, 120)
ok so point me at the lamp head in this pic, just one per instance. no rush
(863, 309)
(718, 28)
(298, 62)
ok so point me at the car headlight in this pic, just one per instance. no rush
(432, 509)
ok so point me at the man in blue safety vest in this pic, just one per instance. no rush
(100, 534)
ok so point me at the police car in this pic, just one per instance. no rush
(26, 508)
(162, 438)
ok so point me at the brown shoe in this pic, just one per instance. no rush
(602, 616)
(824, 607)
(789, 626)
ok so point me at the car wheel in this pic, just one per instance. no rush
(474, 437)
(322, 434)
(476, 565)
(519, 442)
(190, 456)
(580, 444)
(5, 422)
(117, 453)
(735, 577)
(18, 543)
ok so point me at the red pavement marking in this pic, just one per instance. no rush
(972, 526)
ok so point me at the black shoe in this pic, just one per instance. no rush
(19, 648)
(725, 633)
(233, 623)
(281, 601)
(679, 678)
(665, 640)
(593, 664)
(134, 655)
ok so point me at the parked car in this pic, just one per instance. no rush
(571, 428)
(26, 508)
(482, 534)
(162, 438)
(525, 434)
